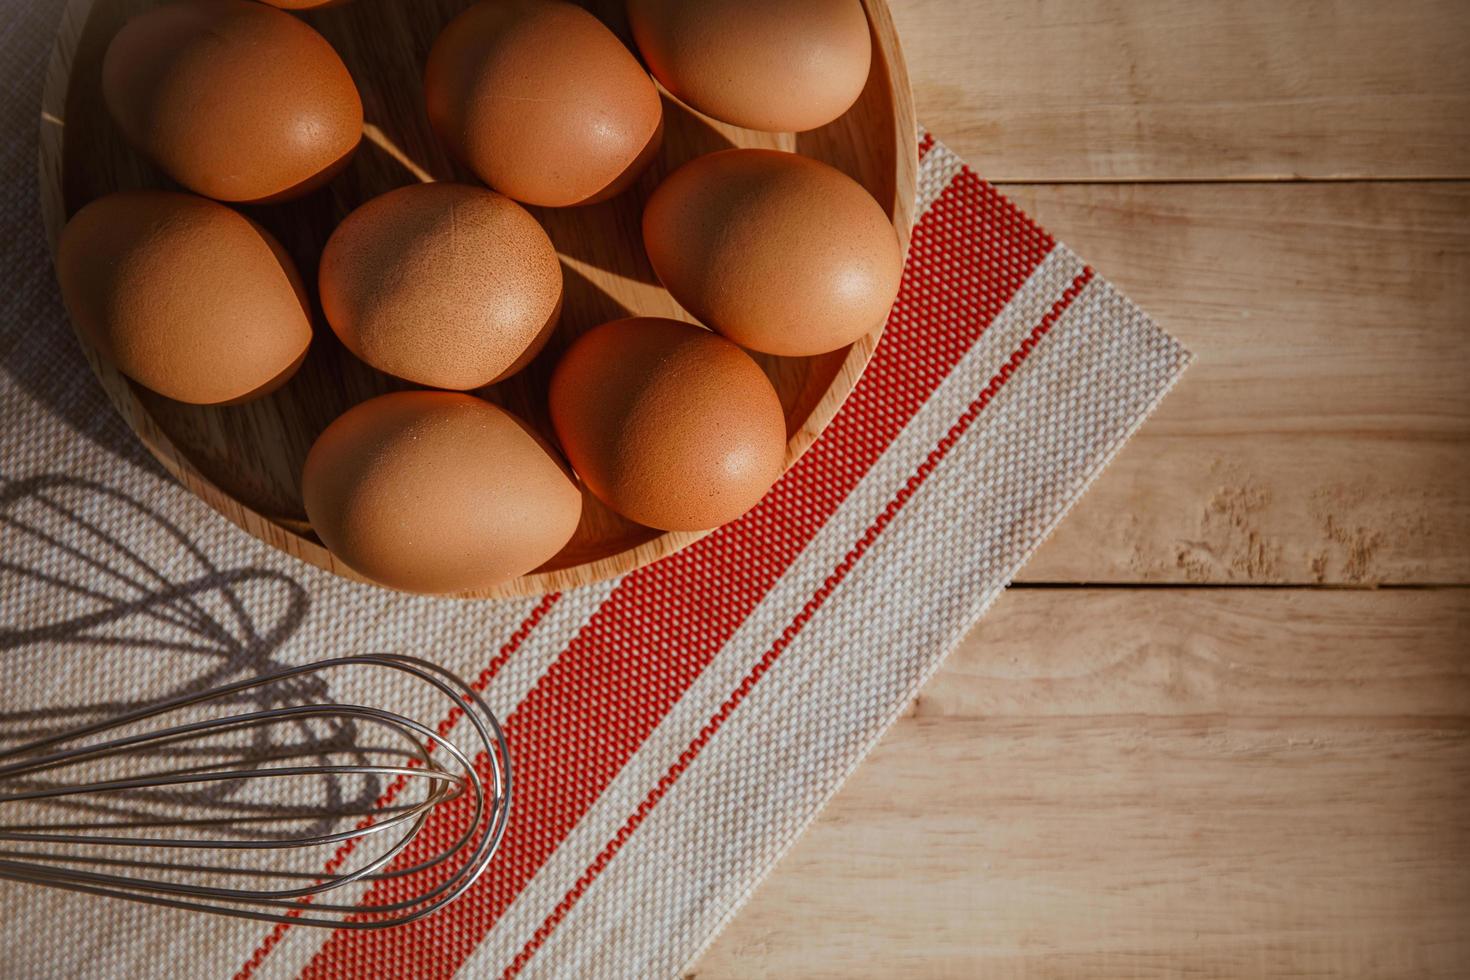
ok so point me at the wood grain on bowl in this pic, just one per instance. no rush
(245, 461)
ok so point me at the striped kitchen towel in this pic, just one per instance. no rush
(672, 732)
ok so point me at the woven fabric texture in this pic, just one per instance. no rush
(672, 732)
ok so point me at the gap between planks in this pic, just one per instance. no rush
(1319, 438)
(1176, 781)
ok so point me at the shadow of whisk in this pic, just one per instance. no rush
(79, 597)
(183, 762)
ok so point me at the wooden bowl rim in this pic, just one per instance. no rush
(53, 210)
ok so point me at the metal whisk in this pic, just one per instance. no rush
(281, 800)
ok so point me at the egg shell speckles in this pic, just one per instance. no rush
(543, 102)
(437, 492)
(668, 424)
(446, 285)
(778, 252)
(235, 100)
(184, 295)
(775, 65)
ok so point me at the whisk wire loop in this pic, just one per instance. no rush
(92, 856)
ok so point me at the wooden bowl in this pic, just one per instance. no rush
(245, 461)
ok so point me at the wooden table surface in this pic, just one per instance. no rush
(1221, 726)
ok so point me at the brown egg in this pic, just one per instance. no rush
(233, 99)
(668, 424)
(435, 492)
(778, 252)
(542, 101)
(776, 65)
(184, 296)
(445, 285)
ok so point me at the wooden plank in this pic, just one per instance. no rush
(1194, 89)
(1322, 434)
(1159, 783)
